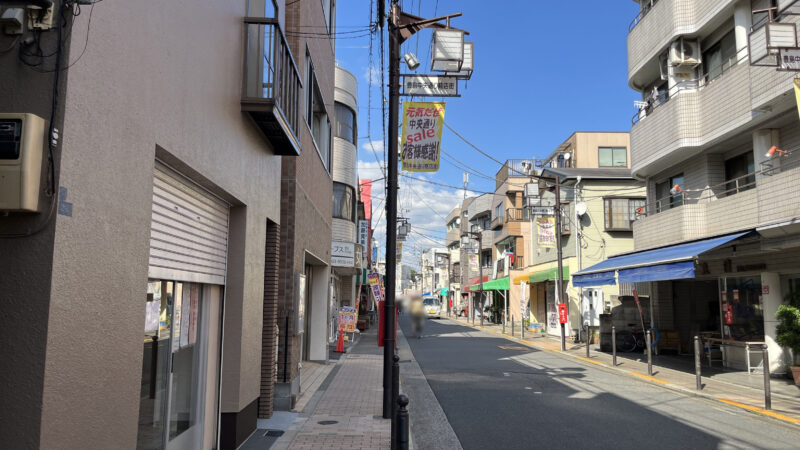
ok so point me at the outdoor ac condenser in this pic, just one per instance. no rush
(21, 142)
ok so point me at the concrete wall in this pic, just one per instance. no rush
(153, 83)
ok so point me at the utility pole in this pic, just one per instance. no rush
(559, 275)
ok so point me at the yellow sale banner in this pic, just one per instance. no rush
(422, 136)
(797, 93)
(546, 236)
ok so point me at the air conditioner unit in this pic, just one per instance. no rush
(685, 52)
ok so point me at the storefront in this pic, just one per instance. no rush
(182, 332)
(542, 305)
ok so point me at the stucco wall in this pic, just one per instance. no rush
(152, 77)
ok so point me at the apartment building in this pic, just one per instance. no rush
(715, 139)
(477, 257)
(153, 202)
(434, 268)
(453, 240)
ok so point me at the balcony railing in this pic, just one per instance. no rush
(272, 88)
(514, 168)
(646, 8)
(517, 215)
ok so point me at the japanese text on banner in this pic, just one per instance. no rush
(545, 227)
(422, 136)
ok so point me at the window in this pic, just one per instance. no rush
(262, 8)
(486, 259)
(453, 246)
(343, 204)
(719, 57)
(498, 211)
(565, 216)
(328, 11)
(665, 198)
(345, 123)
(620, 213)
(740, 173)
(612, 156)
(454, 224)
(317, 116)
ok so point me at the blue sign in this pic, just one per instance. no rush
(375, 254)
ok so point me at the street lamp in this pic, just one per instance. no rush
(465, 238)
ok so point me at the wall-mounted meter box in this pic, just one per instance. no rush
(21, 142)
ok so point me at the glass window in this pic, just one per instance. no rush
(719, 56)
(740, 173)
(612, 157)
(317, 116)
(743, 300)
(621, 212)
(343, 205)
(345, 123)
(262, 8)
(666, 196)
(498, 211)
(328, 7)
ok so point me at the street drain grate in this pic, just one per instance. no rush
(274, 433)
(328, 422)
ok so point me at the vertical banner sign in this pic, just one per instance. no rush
(797, 93)
(375, 284)
(546, 236)
(728, 315)
(562, 313)
(363, 237)
(348, 316)
(473, 263)
(399, 252)
(422, 136)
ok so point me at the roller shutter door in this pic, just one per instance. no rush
(189, 230)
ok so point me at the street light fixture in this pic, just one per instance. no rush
(447, 50)
(411, 61)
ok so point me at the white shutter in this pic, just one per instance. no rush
(188, 232)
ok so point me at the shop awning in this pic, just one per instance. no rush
(666, 263)
(549, 275)
(495, 285)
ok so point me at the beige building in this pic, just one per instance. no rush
(141, 293)
(713, 106)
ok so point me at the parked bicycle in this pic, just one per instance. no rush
(632, 340)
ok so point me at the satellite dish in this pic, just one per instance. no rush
(567, 155)
(580, 208)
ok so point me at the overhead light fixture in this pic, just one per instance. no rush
(411, 61)
(772, 150)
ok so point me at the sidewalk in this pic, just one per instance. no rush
(346, 411)
(730, 387)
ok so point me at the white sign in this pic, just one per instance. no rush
(789, 59)
(542, 210)
(343, 254)
(430, 86)
(363, 236)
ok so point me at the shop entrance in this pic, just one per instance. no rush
(180, 366)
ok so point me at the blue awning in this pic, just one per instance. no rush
(666, 263)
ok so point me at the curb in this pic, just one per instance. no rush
(645, 378)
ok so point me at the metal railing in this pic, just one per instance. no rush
(516, 215)
(270, 69)
(646, 8)
(514, 168)
(659, 98)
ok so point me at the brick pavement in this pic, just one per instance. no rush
(733, 390)
(348, 414)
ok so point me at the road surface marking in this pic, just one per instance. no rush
(647, 377)
(760, 411)
(590, 360)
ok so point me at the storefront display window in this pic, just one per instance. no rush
(742, 311)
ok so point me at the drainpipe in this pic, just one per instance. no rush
(578, 253)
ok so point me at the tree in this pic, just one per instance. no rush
(788, 332)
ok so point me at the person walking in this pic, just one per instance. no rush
(417, 316)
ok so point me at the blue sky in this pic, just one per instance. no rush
(542, 71)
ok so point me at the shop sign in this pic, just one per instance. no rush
(735, 296)
(562, 313)
(343, 254)
(375, 284)
(546, 236)
(422, 136)
(348, 316)
(363, 237)
(429, 86)
(728, 315)
(473, 263)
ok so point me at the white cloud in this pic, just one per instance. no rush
(372, 74)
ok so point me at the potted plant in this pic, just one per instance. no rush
(788, 332)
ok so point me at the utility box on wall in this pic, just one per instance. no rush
(21, 141)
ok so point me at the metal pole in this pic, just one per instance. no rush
(401, 442)
(648, 340)
(587, 340)
(522, 327)
(480, 276)
(559, 275)
(767, 393)
(512, 326)
(395, 388)
(391, 210)
(614, 345)
(697, 364)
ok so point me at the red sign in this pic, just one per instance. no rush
(728, 315)
(735, 296)
(765, 289)
(562, 313)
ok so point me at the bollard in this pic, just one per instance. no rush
(401, 439)
(512, 325)
(697, 364)
(767, 393)
(395, 391)
(522, 328)
(587, 340)
(614, 345)
(504, 325)
(649, 354)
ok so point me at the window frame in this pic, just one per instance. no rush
(337, 106)
(335, 213)
(313, 90)
(608, 220)
(614, 151)
(732, 183)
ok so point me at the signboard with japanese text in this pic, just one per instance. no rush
(563, 317)
(348, 316)
(545, 232)
(399, 253)
(473, 263)
(430, 86)
(363, 237)
(343, 254)
(375, 284)
(728, 315)
(422, 136)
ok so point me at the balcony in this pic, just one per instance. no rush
(453, 236)
(272, 89)
(735, 205)
(516, 215)
(513, 168)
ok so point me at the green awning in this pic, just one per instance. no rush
(443, 291)
(495, 285)
(548, 275)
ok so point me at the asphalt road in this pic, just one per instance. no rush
(497, 394)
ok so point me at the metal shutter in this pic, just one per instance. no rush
(188, 232)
